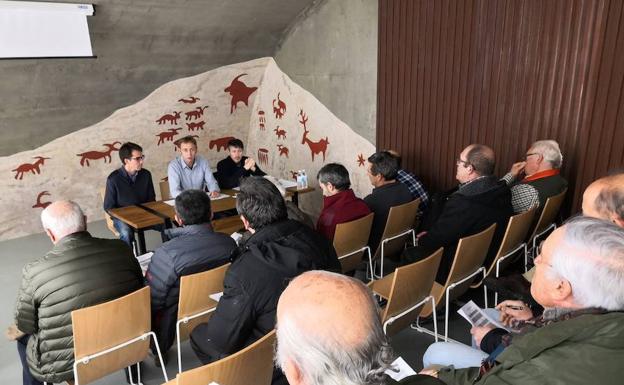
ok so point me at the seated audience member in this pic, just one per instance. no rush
(278, 250)
(340, 204)
(236, 166)
(382, 171)
(415, 186)
(192, 248)
(79, 271)
(129, 185)
(578, 338)
(542, 179)
(190, 171)
(329, 332)
(478, 202)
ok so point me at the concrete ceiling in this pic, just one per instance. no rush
(140, 44)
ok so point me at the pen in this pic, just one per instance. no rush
(514, 307)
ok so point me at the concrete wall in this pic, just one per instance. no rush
(332, 52)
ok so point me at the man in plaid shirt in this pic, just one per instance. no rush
(415, 186)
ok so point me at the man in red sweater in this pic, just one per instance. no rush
(340, 204)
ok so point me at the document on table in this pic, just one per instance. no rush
(220, 196)
(404, 370)
(216, 296)
(170, 202)
(287, 183)
(144, 260)
(477, 317)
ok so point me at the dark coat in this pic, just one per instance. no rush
(191, 249)
(121, 191)
(380, 201)
(229, 173)
(79, 271)
(260, 271)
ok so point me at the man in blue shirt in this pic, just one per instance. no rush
(190, 171)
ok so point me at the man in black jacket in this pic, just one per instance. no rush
(278, 250)
(478, 201)
(192, 248)
(236, 166)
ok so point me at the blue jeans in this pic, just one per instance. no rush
(27, 377)
(126, 233)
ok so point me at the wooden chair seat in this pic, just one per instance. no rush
(350, 242)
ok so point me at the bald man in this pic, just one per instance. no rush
(479, 201)
(79, 271)
(329, 332)
(604, 199)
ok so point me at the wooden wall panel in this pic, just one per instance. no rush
(504, 73)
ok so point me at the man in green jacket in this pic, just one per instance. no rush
(580, 337)
(79, 271)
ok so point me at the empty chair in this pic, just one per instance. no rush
(350, 242)
(546, 221)
(195, 306)
(112, 336)
(407, 289)
(165, 193)
(467, 264)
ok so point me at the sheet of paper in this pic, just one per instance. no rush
(477, 317)
(236, 188)
(170, 202)
(404, 370)
(287, 183)
(216, 296)
(220, 196)
(144, 260)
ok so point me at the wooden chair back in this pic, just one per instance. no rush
(194, 296)
(400, 218)
(549, 213)
(100, 327)
(351, 236)
(251, 365)
(107, 218)
(165, 193)
(469, 256)
(410, 285)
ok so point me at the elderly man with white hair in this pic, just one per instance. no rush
(579, 339)
(329, 332)
(541, 176)
(79, 271)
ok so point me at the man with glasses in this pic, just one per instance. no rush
(541, 176)
(129, 185)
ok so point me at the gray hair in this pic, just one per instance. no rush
(67, 221)
(592, 260)
(550, 150)
(325, 361)
(610, 200)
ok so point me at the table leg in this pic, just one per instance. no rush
(141, 236)
(295, 198)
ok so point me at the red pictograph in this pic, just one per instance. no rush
(197, 113)
(165, 179)
(40, 204)
(280, 133)
(263, 156)
(220, 142)
(239, 92)
(171, 118)
(85, 157)
(280, 109)
(29, 167)
(293, 174)
(190, 100)
(195, 125)
(361, 160)
(283, 150)
(167, 136)
(261, 120)
(315, 147)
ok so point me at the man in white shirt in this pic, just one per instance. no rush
(190, 171)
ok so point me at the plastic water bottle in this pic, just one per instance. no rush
(305, 179)
(299, 179)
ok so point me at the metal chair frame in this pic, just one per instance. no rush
(383, 243)
(185, 320)
(391, 320)
(508, 255)
(365, 249)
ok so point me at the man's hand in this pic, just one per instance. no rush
(13, 333)
(512, 310)
(250, 164)
(214, 194)
(430, 372)
(517, 168)
(478, 332)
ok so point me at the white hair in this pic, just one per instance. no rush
(64, 222)
(326, 361)
(592, 260)
(550, 151)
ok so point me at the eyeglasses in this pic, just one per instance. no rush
(529, 154)
(138, 158)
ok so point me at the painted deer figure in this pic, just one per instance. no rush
(190, 100)
(315, 147)
(32, 167)
(94, 155)
(43, 205)
(280, 110)
(169, 118)
(280, 133)
(220, 142)
(195, 114)
(195, 125)
(282, 150)
(293, 174)
(167, 135)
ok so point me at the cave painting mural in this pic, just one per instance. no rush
(85, 157)
(261, 120)
(263, 156)
(195, 125)
(283, 150)
(315, 147)
(171, 118)
(280, 109)
(360, 160)
(189, 100)
(220, 143)
(280, 133)
(40, 204)
(167, 136)
(293, 174)
(197, 113)
(239, 92)
(29, 167)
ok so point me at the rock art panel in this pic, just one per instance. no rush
(280, 109)
(239, 92)
(282, 150)
(189, 100)
(169, 118)
(85, 157)
(30, 167)
(39, 203)
(220, 143)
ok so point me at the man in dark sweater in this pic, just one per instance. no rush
(236, 166)
(382, 171)
(129, 185)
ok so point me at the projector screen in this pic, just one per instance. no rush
(36, 30)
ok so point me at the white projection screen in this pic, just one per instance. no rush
(39, 30)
